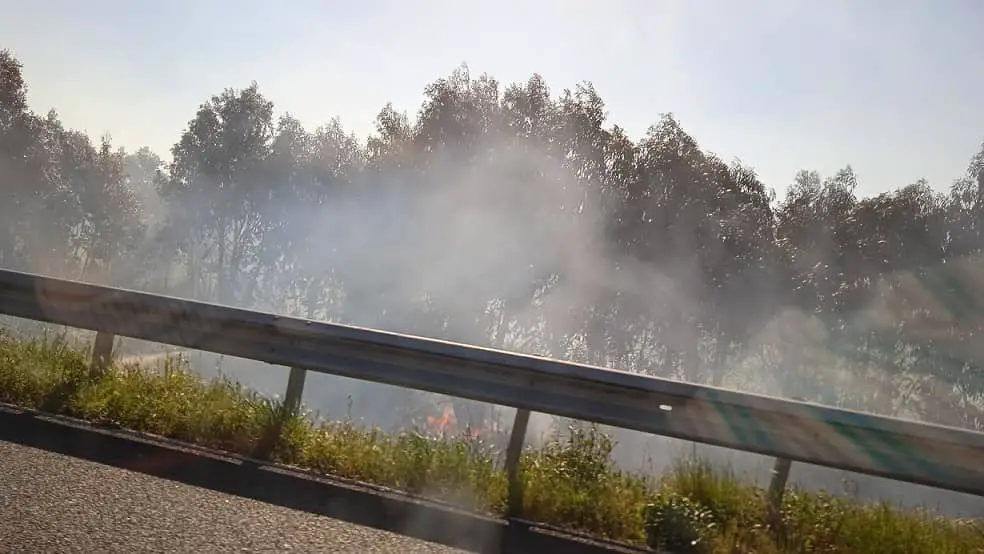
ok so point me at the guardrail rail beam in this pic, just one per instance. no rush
(933, 455)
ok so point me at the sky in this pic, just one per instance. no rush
(894, 88)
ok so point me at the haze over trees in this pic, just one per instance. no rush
(518, 217)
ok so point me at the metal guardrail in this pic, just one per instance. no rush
(933, 455)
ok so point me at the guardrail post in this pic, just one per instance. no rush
(513, 452)
(292, 404)
(777, 485)
(295, 389)
(102, 350)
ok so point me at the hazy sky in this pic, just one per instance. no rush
(895, 88)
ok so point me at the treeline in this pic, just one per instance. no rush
(511, 217)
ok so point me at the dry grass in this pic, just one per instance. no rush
(571, 482)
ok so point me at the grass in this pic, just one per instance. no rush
(570, 482)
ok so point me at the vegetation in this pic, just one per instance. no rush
(570, 482)
(509, 217)
(506, 217)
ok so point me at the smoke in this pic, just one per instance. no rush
(472, 232)
(484, 250)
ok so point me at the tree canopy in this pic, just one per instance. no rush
(513, 217)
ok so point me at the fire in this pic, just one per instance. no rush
(447, 425)
(447, 422)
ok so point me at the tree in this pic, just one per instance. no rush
(216, 189)
(143, 172)
(508, 217)
(25, 166)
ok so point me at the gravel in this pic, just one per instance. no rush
(53, 504)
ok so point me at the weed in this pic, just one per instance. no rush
(570, 482)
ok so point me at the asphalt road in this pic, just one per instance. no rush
(52, 504)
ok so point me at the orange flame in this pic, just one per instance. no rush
(445, 423)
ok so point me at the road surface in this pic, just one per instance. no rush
(55, 504)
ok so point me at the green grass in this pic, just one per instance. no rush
(570, 482)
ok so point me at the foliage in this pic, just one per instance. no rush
(678, 523)
(570, 482)
(514, 217)
(649, 255)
